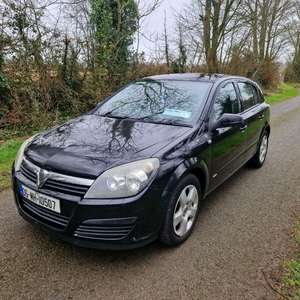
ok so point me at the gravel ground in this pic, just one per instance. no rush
(242, 235)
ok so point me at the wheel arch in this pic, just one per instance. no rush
(184, 178)
(267, 129)
(202, 178)
(195, 166)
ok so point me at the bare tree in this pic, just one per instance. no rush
(268, 23)
(166, 41)
(145, 9)
(29, 32)
(210, 22)
(293, 37)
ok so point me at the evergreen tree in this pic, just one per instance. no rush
(115, 23)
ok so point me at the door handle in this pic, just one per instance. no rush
(243, 128)
(261, 117)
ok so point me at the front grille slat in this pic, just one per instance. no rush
(51, 218)
(103, 228)
(102, 232)
(28, 174)
(68, 188)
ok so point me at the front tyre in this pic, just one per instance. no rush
(182, 211)
(260, 156)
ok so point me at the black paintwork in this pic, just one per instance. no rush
(89, 145)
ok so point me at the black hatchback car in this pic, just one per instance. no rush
(136, 167)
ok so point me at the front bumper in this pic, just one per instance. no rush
(96, 223)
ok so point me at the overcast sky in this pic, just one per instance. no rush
(156, 21)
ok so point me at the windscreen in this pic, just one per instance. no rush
(168, 102)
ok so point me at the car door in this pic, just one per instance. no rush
(228, 144)
(253, 111)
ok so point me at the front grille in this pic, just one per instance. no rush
(68, 188)
(109, 230)
(61, 186)
(28, 174)
(45, 216)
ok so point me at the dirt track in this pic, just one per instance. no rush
(242, 234)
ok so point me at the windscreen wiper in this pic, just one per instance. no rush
(110, 115)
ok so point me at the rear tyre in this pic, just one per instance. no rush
(260, 156)
(182, 211)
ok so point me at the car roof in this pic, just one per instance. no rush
(193, 77)
(189, 77)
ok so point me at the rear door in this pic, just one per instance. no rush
(253, 111)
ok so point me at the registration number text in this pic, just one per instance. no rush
(40, 199)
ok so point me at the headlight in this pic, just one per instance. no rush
(124, 181)
(20, 154)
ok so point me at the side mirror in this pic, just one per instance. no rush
(227, 120)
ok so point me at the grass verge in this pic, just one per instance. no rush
(8, 152)
(285, 91)
(291, 274)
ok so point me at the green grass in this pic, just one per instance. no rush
(286, 91)
(8, 152)
(291, 277)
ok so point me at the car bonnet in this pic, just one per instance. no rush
(91, 144)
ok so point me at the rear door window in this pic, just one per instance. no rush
(249, 95)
